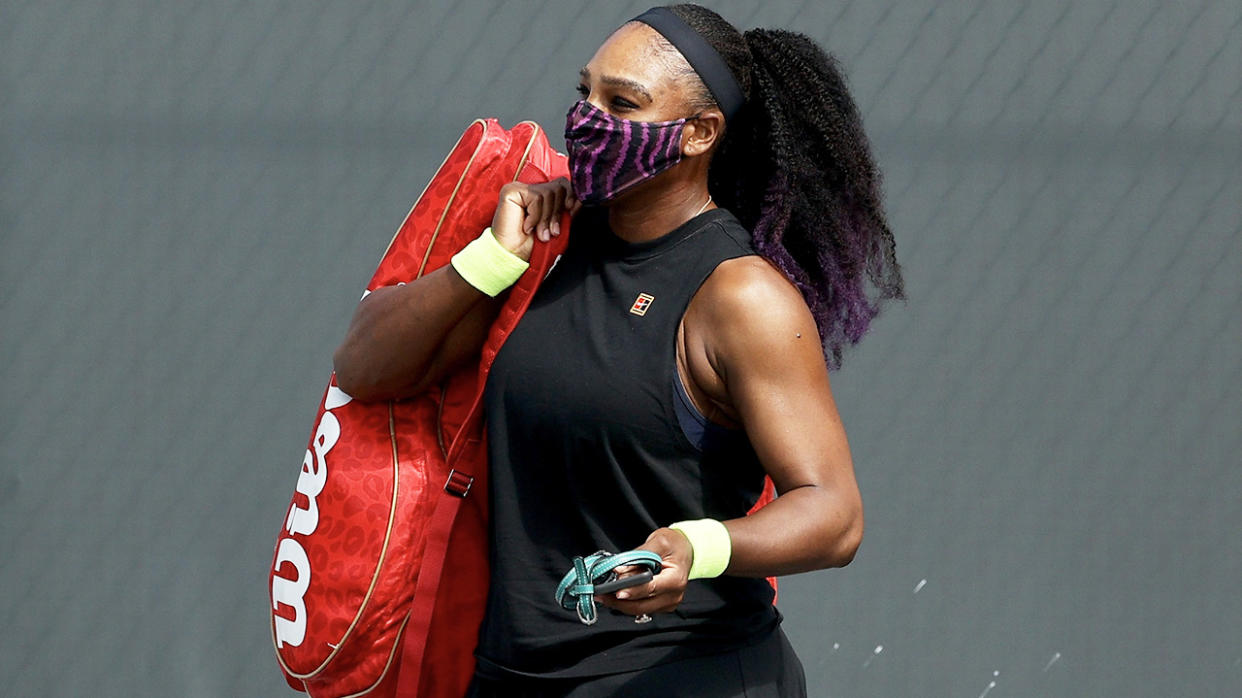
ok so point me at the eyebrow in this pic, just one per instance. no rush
(618, 82)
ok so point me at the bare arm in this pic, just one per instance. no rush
(753, 348)
(767, 352)
(404, 339)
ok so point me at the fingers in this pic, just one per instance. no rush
(552, 221)
(569, 207)
(508, 221)
(556, 199)
(628, 570)
(638, 592)
(534, 210)
(665, 590)
(533, 222)
(572, 204)
(657, 596)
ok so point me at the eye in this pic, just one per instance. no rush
(623, 103)
(582, 90)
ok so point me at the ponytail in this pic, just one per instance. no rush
(796, 168)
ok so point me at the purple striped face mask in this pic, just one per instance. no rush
(608, 155)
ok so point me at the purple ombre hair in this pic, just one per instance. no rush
(796, 168)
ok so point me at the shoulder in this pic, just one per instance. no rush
(750, 289)
(748, 311)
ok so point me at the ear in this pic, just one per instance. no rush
(702, 134)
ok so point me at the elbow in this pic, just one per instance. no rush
(840, 549)
(349, 377)
(346, 379)
(846, 547)
(369, 379)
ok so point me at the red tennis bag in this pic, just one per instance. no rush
(379, 576)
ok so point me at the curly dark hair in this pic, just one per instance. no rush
(796, 168)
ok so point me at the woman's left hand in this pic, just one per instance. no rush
(665, 591)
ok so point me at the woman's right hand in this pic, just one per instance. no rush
(527, 211)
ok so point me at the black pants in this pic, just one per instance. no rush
(769, 669)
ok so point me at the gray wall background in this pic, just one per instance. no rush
(1047, 435)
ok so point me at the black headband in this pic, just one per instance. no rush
(705, 60)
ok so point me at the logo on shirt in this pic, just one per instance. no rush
(641, 304)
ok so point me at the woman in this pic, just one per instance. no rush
(727, 214)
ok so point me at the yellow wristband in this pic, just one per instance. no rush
(487, 265)
(712, 547)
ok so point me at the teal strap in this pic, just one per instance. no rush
(577, 588)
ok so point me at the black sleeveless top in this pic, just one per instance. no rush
(587, 452)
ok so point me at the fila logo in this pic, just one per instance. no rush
(641, 304)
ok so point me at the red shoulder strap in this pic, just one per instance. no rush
(533, 160)
(439, 528)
